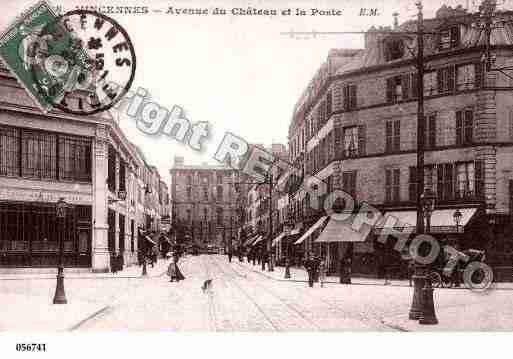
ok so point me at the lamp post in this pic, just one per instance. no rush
(428, 315)
(60, 294)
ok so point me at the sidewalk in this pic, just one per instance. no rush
(491, 314)
(300, 275)
(133, 271)
(27, 299)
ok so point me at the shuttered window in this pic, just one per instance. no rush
(392, 185)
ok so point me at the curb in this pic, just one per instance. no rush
(88, 318)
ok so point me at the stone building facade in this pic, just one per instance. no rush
(88, 161)
(204, 204)
(355, 127)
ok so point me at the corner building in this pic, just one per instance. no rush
(355, 128)
(88, 161)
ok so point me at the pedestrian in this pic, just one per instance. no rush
(173, 271)
(230, 254)
(310, 268)
(322, 272)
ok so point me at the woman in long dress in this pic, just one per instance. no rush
(173, 271)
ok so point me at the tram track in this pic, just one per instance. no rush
(271, 318)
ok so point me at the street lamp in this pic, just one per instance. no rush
(428, 315)
(457, 219)
(60, 212)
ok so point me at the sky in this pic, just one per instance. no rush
(236, 72)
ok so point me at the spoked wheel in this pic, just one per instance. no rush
(435, 278)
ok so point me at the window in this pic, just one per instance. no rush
(430, 131)
(122, 176)
(329, 103)
(354, 141)
(205, 193)
(350, 101)
(430, 178)
(392, 187)
(219, 179)
(465, 180)
(205, 214)
(189, 216)
(412, 184)
(394, 49)
(464, 127)
(39, 155)
(349, 182)
(394, 89)
(445, 181)
(449, 38)
(430, 83)
(111, 170)
(351, 141)
(189, 180)
(445, 79)
(393, 136)
(468, 77)
(219, 193)
(75, 158)
(219, 216)
(189, 193)
(9, 151)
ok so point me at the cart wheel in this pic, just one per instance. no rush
(435, 278)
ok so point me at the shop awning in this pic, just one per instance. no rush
(442, 220)
(339, 231)
(166, 238)
(310, 230)
(148, 238)
(250, 240)
(296, 230)
(258, 240)
(278, 239)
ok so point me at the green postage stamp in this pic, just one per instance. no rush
(40, 51)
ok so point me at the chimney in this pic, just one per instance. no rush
(396, 20)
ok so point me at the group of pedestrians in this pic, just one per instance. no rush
(316, 269)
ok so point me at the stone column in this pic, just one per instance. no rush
(100, 251)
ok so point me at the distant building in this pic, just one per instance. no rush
(203, 203)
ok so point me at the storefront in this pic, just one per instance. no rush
(29, 235)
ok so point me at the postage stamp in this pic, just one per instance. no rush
(21, 47)
(81, 62)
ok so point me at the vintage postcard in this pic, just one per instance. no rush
(255, 166)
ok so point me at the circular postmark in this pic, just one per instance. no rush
(88, 64)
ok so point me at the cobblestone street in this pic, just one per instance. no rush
(242, 298)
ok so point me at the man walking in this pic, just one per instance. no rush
(310, 265)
